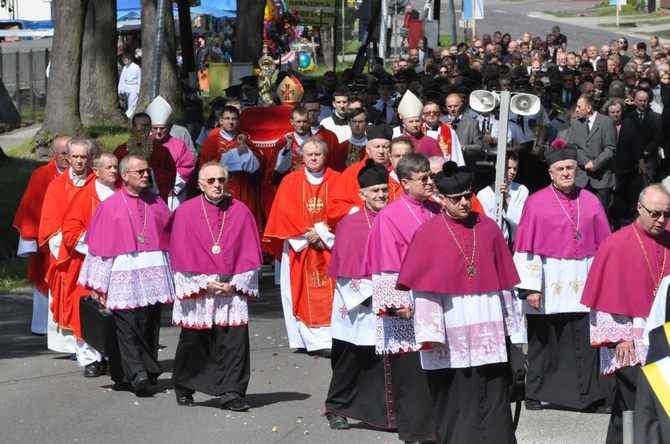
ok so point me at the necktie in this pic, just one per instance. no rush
(519, 121)
(485, 125)
(588, 126)
(640, 115)
(384, 115)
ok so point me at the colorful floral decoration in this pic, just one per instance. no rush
(280, 27)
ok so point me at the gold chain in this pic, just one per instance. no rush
(140, 237)
(471, 262)
(410, 209)
(216, 247)
(366, 217)
(576, 227)
(656, 282)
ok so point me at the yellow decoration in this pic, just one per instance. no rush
(269, 11)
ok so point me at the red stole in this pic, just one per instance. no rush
(443, 139)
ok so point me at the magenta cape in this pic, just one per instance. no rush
(425, 145)
(112, 233)
(191, 242)
(545, 230)
(432, 251)
(392, 231)
(619, 281)
(350, 238)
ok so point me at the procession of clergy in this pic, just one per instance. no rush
(387, 263)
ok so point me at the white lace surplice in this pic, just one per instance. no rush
(132, 280)
(197, 308)
(609, 328)
(394, 334)
(464, 330)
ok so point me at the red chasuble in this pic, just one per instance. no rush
(243, 186)
(299, 205)
(27, 221)
(76, 219)
(272, 179)
(58, 196)
(345, 195)
(161, 162)
(345, 155)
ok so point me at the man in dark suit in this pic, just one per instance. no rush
(649, 125)
(628, 162)
(425, 52)
(569, 90)
(595, 137)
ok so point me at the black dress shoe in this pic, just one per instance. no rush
(140, 383)
(122, 387)
(322, 353)
(599, 408)
(95, 369)
(532, 404)
(337, 422)
(236, 405)
(185, 400)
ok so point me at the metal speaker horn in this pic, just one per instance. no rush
(524, 104)
(483, 101)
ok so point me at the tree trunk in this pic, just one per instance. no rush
(170, 88)
(249, 32)
(327, 48)
(61, 115)
(98, 99)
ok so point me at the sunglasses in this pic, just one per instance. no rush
(456, 199)
(141, 172)
(211, 180)
(657, 214)
(424, 180)
(431, 113)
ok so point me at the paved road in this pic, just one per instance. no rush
(44, 397)
(517, 17)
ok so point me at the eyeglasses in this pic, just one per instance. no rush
(656, 214)
(456, 199)
(211, 180)
(424, 180)
(141, 172)
(431, 113)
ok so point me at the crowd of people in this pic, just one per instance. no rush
(345, 191)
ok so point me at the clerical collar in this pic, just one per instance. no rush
(130, 193)
(102, 185)
(77, 180)
(60, 171)
(339, 121)
(358, 142)
(315, 129)
(434, 128)
(213, 202)
(315, 178)
(413, 201)
(565, 193)
(228, 136)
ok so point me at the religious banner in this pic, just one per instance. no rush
(314, 12)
